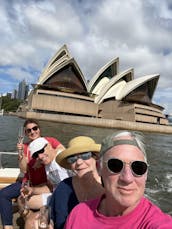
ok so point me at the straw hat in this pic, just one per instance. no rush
(77, 145)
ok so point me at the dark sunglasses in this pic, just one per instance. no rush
(35, 128)
(35, 155)
(115, 166)
(83, 156)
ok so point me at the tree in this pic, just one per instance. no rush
(9, 104)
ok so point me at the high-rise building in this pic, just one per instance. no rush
(9, 95)
(23, 89)
(14, 94)
(26, 91)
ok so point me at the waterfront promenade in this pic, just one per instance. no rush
(98, 122)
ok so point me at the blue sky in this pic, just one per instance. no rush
(138, 32)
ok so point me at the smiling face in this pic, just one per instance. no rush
(32, 131)
(48, 154)
(80, 167)
(124, 189)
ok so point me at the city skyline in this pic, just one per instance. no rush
(21, 92)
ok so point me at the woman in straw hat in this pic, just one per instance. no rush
(80, 157)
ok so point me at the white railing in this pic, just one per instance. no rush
(6, 153)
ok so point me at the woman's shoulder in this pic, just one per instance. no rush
(53, 141)
(64, 186)
(50, 139)
(67, 182)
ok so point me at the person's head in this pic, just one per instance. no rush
(80, 156)
(123, 168)
(41, 149)
(32, 129)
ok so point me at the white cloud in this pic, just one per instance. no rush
(138, 32)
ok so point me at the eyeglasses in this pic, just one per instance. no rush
(35, 155)
(83, 156)
(138, 168)
(35, 128)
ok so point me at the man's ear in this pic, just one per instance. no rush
(102, 182)
(99, 171)
(98, 167)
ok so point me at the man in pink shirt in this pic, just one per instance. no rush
(123, 168)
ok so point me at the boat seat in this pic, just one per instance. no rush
(5, 181)
(9, 176)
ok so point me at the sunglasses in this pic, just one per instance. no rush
(83, 156)
(35, 128)
(138, 168)
(35, 155)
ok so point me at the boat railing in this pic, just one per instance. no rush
(9, 169)
(6, 153)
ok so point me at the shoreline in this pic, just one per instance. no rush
(96, 122)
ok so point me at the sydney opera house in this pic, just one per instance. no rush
(62, 89)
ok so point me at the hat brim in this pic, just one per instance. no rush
(61, 157)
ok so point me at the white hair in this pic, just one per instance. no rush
(137, 136)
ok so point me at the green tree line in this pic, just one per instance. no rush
(10, 105)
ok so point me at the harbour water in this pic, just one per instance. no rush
(159, 150)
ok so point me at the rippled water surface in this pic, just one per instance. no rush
(159, 150)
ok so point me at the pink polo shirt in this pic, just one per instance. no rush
(145, 216)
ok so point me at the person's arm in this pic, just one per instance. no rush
(59, 148)
(40, 189)
(35, 222)
(35, 190)
(22, 158)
